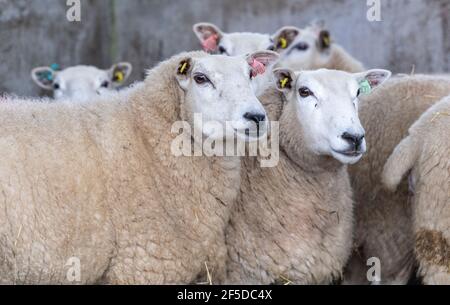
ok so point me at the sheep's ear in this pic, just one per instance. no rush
(44, 77)
(120, 73)
(400, 163)
(183, 72)
(324, 41)
(209, 36)
(261, 61)
(372, 79)
(285, 80)
(284, 37)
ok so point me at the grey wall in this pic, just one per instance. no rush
(36, 32)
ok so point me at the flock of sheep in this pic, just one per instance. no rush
(91, 175)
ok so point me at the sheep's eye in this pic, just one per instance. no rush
(305, 92)
(56, 86)
(222, 50)
(359, 93)
(201, 79)
(302, 46)
(105, 84)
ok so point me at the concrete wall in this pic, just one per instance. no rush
(36, 32)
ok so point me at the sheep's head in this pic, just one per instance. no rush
(220, 89)
(322, 109)
(214, 41)
(81, 83)
(310, 49)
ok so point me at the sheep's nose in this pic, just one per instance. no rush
(255, 117)
(354, 140)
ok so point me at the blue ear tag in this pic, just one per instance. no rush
(55, 67)
(365, 87)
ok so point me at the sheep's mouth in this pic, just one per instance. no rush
(250, 134)
(350, 153)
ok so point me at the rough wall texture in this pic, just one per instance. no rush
(36, 32)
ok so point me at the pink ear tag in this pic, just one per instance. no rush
(210, 44)
(258, 67)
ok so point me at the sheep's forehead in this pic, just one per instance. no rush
(328, 83)
(250, 41)
(82, 72)
(222, 67)
(307, 35)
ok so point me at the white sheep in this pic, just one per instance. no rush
(314, 48)
(215, 41)
(81, 83)
(94, 193)
(293, 223)
(384, 220)
(310, 48)
(425, 154)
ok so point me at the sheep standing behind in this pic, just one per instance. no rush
(313, 48)
(213, 40)
(293, 223)
(425, 153)
(300, 49)
(383, 220)
(97, 185)
(81, 83)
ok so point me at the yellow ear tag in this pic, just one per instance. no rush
(283, 43)
(183, 68)
(284, 82)
(119, 76)
(326, 41)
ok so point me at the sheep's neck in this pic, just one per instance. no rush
(341, 60)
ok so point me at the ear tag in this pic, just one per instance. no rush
(283, 43)
(55, 67)
(119, 76)
(45, 76)
(258, 67)
(210, 44)
(284, 82)
(365, 87)
(184, 66)
(326, 41)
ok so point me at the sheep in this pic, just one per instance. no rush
(293, 223)
(425, 153)
(215, 41)
(313, 49)
(80, 83)
(383, 220)
(98, 186)
(310, 48)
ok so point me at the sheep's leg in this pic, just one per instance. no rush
(387, 234)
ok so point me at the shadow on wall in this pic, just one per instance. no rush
(144, 32)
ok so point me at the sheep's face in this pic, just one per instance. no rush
(214, 41)
(81, 83)
(219, 89)
(310, 49)
(243, 43)
(325, 103)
